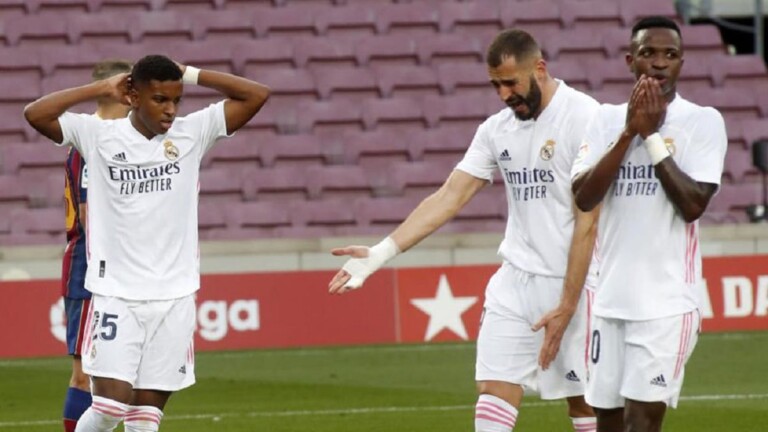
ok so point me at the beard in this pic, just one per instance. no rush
(532, 101)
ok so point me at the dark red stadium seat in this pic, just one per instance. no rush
(593, 15)
(411, 19)
(387, 211)
(463, 75)
(289, 82)
(326, 213)
(47, 221)
(537, 17)
(225, 24)
(344, 79)
(632, 10)
(262, 53)
(459, 108)
(341, 112)
(738, 164)
(392, 48)
(392, 79)
(578, 44)
(377, 111)
(451, 47)
(355, 145)
(322, 50)
(258, 215)
(161, 27)
(263, 183)
(347, 21)
(472, 15)
(39, 28)
(221, 181)
(288, 21)
(42, 155)
(103, 27)
(341, 180)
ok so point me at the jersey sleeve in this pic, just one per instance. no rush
(582, 115)
(79, 131)
(592, 146)
(479, 160)
(709, 143)
(212, 123)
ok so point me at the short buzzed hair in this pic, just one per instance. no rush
(655, 22)
(107, 68)
(155, 67)
(512, 43)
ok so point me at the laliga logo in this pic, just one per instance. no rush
(214, 318)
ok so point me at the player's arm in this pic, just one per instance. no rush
(432, 213)
(556, 321)
(590, 187)
(43, 114)
(687, 195)
(244, 97)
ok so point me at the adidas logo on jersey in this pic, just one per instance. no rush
(571, 376)
(505, 155)
(120, 157)
(183, 369)
(659, 381)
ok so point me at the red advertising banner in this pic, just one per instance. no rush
(736, 297)
(442, 303)
(289, 309)
(292, 309)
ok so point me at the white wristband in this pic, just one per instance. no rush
(656, 148)
(360, 268)
(190, 75)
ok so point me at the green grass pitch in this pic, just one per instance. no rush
(386, 388)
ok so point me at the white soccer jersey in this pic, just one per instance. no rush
(142, 202)
(650, 260)
(535, 159)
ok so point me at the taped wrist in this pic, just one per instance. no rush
(360, 268)
(656, 148)
(190, 75)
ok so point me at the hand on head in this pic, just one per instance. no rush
(119, 87)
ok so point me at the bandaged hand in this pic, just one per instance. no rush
(364, 262)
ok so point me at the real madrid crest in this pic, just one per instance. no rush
(670, 143)
(547, 150)
(171, 151)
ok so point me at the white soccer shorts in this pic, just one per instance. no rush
(507, 349)
(639, 360)
(148, 344)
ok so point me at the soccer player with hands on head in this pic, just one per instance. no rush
(653, 164)
(547, 249)
(142, 245)
(77, 299)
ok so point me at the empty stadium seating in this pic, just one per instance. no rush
(373, 102)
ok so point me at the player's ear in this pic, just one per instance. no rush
(133, 96)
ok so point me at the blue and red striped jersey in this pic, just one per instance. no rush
(75, 259)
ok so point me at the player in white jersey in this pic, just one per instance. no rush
(654, 163)
(77, 299)
(547, 247)
(142, 251)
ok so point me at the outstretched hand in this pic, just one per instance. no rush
(555, 322)
(343, 281)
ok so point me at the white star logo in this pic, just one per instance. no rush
(444, 310)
